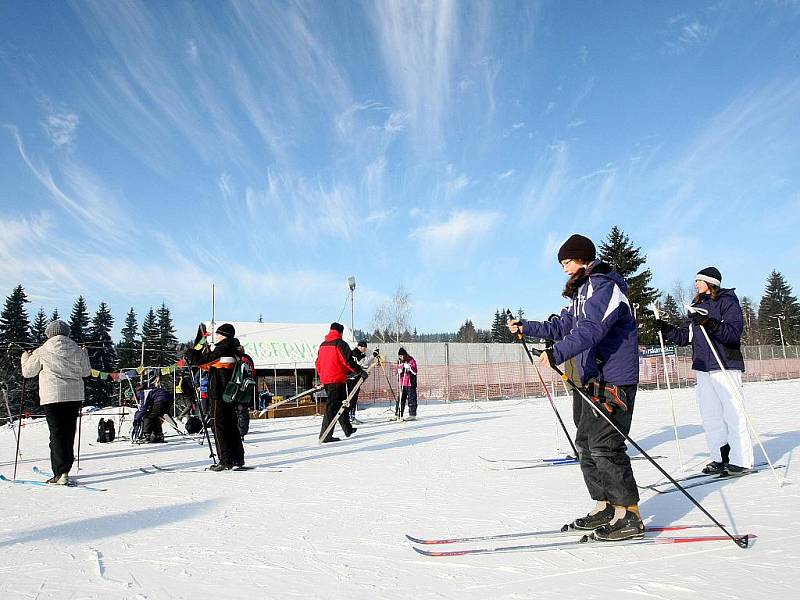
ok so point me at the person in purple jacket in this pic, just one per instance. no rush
(599, 329)
(724, 420)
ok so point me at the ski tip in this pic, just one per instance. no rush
(415, 540)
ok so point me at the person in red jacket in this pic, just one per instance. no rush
(334, 363)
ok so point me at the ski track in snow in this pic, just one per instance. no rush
(333, 525)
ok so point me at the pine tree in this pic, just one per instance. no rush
(779, 304)
(79, 321)
(750, 334)
(167, 342)
(14, 338)
(38, 336)
(670, 312)
(129, 348)
(625, 259)
(467, 333)
(55, 316)
(102, 356)
(150, 337)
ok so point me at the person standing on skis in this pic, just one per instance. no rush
(407, 373)
(724, 421)
(334, 363)
(61, 366)
(219, 363)
(599, 329)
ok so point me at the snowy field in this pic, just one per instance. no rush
(331, 524)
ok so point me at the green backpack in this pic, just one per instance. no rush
(240, 388)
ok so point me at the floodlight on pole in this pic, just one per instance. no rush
(351, 283)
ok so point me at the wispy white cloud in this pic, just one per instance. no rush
(462, 231)
(61, 127)
(83, 195)
(519, 125)
(543, 190)
(506, 174)
(419, 42)
(684, 33)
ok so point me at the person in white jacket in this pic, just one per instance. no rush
(61, 366)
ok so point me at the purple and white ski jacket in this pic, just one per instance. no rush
(597, 327)
(726, 338)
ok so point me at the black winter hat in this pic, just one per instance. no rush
(361, 344)
(402, 352)
(710, 275)
(579, 247)
(227, 330)
(337, 327)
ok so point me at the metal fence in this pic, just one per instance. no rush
(454, 371)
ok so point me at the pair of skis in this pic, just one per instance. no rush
(578, 539)
(515, 464)
(47, 475)
(700, 479)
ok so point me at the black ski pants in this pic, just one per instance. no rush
(354, 400)
(62, 421)
(152, 421)
(226, 433)
(605, 463)
(337, 393)
(408, 395)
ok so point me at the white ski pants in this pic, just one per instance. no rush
(723, 420)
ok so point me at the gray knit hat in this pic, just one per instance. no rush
(57, 327)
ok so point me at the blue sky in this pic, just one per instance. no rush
(276, 148)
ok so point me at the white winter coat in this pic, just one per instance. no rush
(61, 366)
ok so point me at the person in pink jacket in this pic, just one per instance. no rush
(407, 372)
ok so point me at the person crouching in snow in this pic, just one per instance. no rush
(154, 403)
(61, 366)
(407, 371)
(598, 327)
(334, 363)
(724, 420)
(220, 363)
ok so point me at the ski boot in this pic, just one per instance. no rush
(737, 471)
(713, 468)
(61, 479)
(593, 521)
(628, 527)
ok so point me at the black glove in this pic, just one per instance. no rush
(710, 323)
(663, 326)
(364, 375)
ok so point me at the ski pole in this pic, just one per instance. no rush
(80, 421)
(8, 412)
(19, 425)
(521, 337)
(737, 393)
(741, 541)
(203, 418)
(388, 381)
(669, 388)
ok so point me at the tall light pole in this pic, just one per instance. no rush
(351, 282)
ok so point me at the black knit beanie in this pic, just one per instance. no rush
(227, 330)
(337, 327)
(577, 247)
(710, 275)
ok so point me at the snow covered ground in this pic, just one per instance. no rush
(332, 523)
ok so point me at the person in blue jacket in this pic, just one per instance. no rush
(723, 418)
(598, 328)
